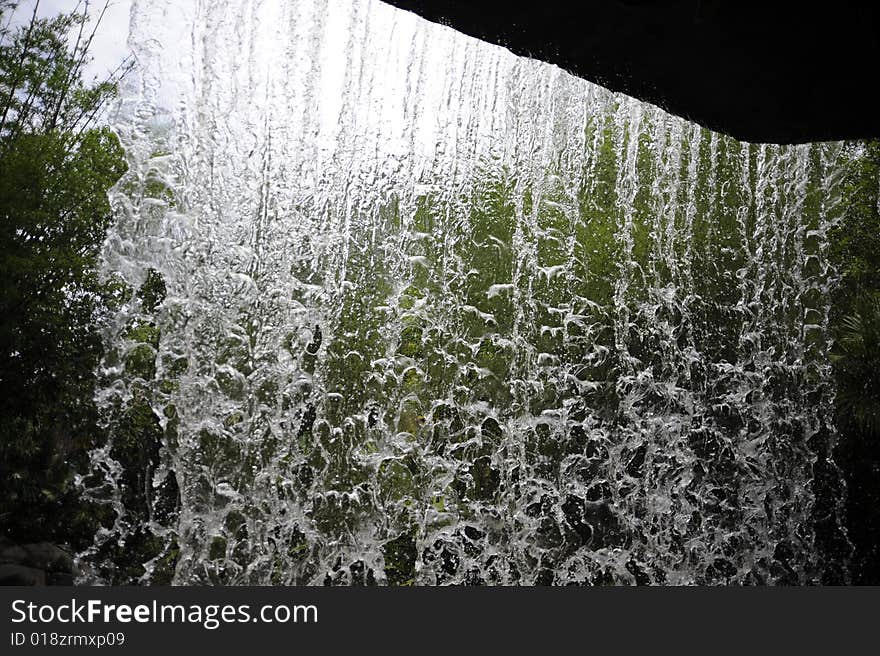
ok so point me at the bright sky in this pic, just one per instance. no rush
(108, 49)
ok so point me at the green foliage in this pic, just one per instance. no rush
(55, 168)
(855, 241)
(153, 291)
(418, 357)
(858, 366)
(141, 362)
(400, 560)
(855, 251)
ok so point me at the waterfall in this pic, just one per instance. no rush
(405, 308)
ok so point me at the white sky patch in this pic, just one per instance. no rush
(109, 47)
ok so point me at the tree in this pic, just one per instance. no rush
(854, 250)
(56, 165)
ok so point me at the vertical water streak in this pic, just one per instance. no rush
(437, 314)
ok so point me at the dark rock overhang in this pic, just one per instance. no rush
(777, 72)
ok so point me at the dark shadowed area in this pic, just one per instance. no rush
(777, 72)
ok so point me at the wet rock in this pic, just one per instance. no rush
(59, 578)
(12, 553)
(12, 574)
(39, 563)
(47, 556)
